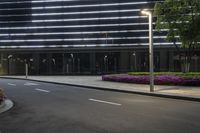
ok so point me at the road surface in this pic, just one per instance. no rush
(50, 108)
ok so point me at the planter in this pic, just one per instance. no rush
(2, 104)
(2, 96)
(159, 79)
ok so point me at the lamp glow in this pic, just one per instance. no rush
(145, 12)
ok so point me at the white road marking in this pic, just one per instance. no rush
(12, 84)
(42, 90)
(30, 84)
(101, 101)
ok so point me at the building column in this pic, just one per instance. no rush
(164, 61)
(49, 59)
(92, 63)
(124, 64)
(171, 61)
(36, 63)
(11, 65)
(133, 61)
(64, 63)
(3, 64)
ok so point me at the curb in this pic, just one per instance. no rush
(2, 105)
(6, 105)
(155, 94)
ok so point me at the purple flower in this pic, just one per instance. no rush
(159, 79)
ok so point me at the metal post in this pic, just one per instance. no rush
(151, 64)
(26, 70)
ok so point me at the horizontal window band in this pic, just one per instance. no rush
(74, 26)
(80, 39)
(77, 33)
(86, 41)
(80, 6)
(72, 13)
(83, 19)
(37, 1)
(82, 46)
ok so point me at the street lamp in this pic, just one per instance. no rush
(151, 64)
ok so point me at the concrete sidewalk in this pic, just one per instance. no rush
(180, 92)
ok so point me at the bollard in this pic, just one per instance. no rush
(26, 70)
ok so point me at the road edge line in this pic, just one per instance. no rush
(114, 90)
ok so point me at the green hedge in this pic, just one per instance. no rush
(185, 75)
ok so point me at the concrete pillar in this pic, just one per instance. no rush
(64, 63)
(49, 59)
(36, 63)
(171, 61)
(124, 64)
(92, 63)
(164, 61)
(3, 64)
(133, 61)
(11, 65)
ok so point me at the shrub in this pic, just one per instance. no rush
(2, 96)
(167, 79)
(189, 74)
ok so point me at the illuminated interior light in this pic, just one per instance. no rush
(74, 26)
(81, 6)
(80, 45)
(76, 19)
(78, 39)
(72, 13)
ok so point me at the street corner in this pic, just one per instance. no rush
(6, 105)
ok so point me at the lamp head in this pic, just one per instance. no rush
(146, 12)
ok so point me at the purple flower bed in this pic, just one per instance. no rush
(159, 79)
(2, 96)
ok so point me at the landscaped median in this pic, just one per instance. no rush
(5, 104)
(2, 96)
(161, 78)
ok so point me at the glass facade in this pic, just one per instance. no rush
(79, 37)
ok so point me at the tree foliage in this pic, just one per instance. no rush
(182, 19)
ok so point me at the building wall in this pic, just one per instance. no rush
(74, 23)
(80, 37)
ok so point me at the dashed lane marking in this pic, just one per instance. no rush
(11, 84)
(42, 90)
(106, 102)
(30, 84)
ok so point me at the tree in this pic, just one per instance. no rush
(181, 18)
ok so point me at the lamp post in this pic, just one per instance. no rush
(151, 64)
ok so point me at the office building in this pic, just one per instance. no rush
(81, 37)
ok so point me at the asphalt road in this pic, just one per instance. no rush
(50, 108)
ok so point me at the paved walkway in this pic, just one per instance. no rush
(96, 82)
